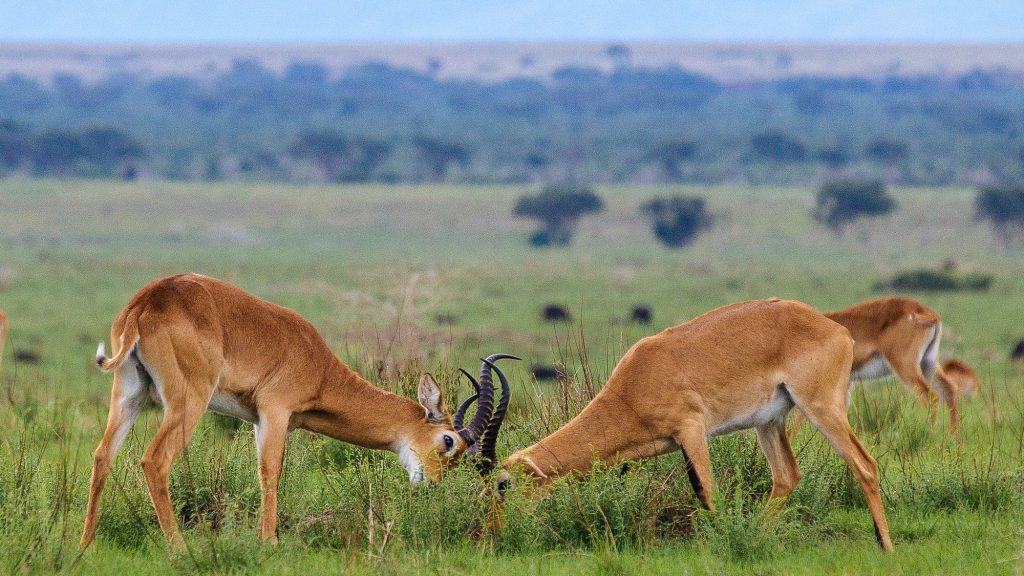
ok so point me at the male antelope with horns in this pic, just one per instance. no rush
(193, 343)
(745, 365)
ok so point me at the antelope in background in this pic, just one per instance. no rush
(193, 343)
(745, 365)
(900, 336)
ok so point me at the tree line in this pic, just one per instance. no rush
(382, 123)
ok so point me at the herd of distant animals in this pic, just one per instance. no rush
(193, 343)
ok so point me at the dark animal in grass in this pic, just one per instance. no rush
(1018, 351)
(641, 314)
(546, 372)
(556, 313)
(26, 356)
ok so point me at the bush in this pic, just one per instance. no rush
(558, 208)
(925, 280)
(842, 201)
(1001, 205)
(677, 220)
(778, 147)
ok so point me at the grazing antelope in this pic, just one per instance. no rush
(895, 335)
(740, 366)
(193, 344)
(3, 335)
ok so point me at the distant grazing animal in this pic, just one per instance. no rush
(446, 319)
(3, 335)
(26, 357)
(1018, 351)
(642, 314)
(193, 343)
(545, 372)
(745, 365)
(556, 313)
(895, 335)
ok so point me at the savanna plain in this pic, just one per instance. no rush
(401, 280)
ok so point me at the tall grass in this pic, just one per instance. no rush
(954, 505)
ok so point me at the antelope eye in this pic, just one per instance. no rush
(449, 443)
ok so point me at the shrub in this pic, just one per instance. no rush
(677, 220)
(842, 201)
(558, 208)
(1001, 205)
(778, 147)
(926, 280)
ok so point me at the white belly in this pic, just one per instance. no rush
(230, 406)
(876, 367)
(775, 410)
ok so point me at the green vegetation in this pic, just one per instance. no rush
(376, 122)
(926, 280)
(1003, 206)
(559, 209)
(842, 201)
(677, 220)
(374, 269)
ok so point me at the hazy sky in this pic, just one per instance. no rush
(526, 20)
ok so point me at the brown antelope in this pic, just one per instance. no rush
(193, 344)
(741, 366)
(895, 335)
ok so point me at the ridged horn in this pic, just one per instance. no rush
(489, 442)
(460, 414)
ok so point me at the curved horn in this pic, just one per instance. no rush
(460, 414)
(489, 442)
(485, 404)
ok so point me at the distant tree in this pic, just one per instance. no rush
(57, 151)
(778, 147)
(834, 156)
(672, 156)
(558, 208)
(339, 157)
(886, 151)
(677, 220)
(439, 155)
(620, 54)
(306, 74)
(112, 152)
(841, 201)
(15, 145)
(1003, 206)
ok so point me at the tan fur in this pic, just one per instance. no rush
(189, 339)
(3, 335)
(899, 329)
(960, 377)
(709, 375)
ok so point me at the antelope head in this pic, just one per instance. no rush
(439, 444)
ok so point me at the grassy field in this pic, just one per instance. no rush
(405, 279)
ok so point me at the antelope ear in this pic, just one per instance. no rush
(430, 398)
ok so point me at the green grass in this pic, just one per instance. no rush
(373, 266)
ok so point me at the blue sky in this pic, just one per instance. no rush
(343, 21)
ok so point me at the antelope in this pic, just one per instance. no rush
(895, 335)
(193, 343)
(3, 334)
(744, 365)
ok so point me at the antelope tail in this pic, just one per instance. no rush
(129, 340)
